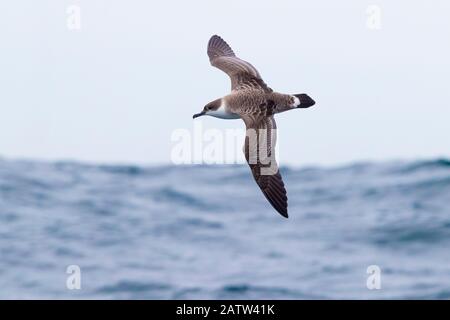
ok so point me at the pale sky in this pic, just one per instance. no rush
(115, 90)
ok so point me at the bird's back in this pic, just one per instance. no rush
(254, 101)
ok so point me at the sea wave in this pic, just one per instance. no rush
(182, 232)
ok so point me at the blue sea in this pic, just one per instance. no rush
(207, 232)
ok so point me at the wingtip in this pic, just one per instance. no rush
(284, 214)
(217, 46)
(215, 36)
(283, 211)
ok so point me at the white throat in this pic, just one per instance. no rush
(222, 112)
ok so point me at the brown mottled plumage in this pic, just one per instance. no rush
(255, 103)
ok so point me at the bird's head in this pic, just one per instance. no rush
(210, 108)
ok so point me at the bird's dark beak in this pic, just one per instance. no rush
(198, 115)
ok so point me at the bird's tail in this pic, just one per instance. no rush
(305, 100)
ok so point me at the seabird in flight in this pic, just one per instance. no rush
(256, 104)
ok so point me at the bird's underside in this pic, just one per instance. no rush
(256, 110)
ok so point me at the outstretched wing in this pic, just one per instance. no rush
(242, 74)
(259, 151)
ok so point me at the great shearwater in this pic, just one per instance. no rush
(255, 103)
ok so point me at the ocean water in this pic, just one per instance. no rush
(206, 232)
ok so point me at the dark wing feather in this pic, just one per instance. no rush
(242, 74)
(259, 151)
